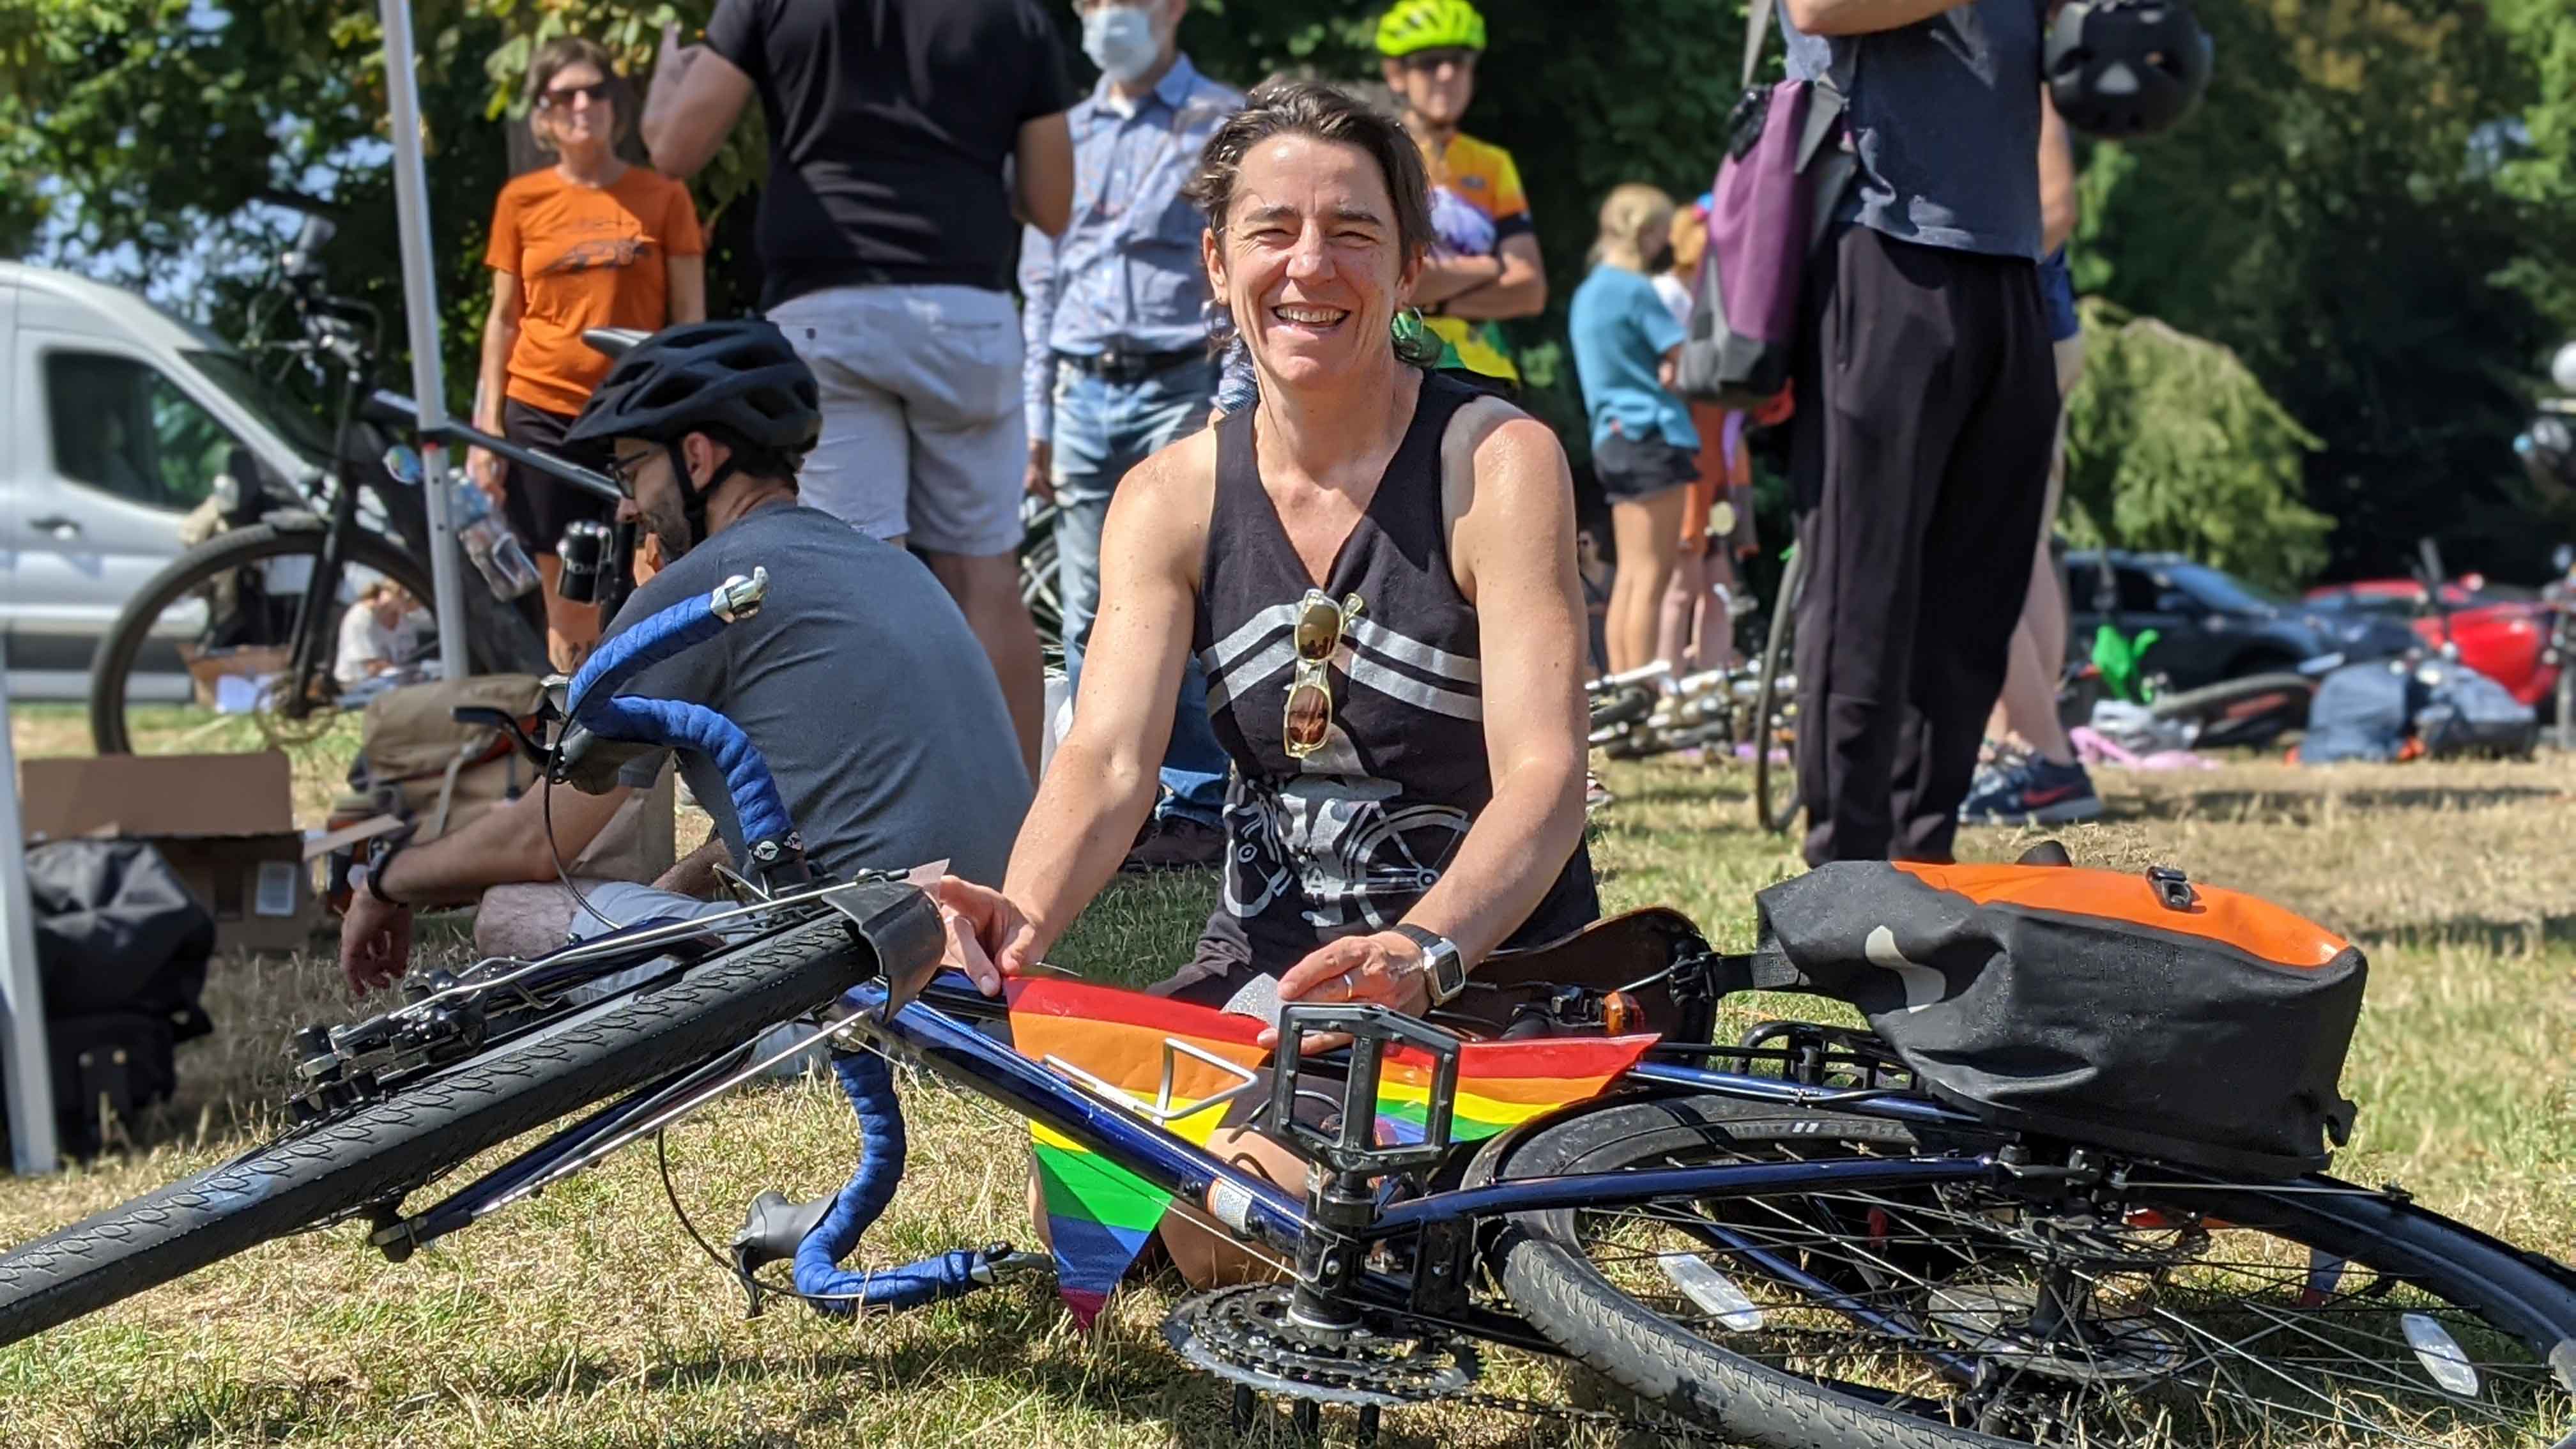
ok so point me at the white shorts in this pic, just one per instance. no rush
(925, 437)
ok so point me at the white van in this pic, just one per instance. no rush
(121, 417)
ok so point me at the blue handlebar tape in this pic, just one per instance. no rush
(621, 657)
(677, 724)
(869, 1084)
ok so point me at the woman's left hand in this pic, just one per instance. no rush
(1385, 969)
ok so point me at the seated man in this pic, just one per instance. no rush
(858, 679)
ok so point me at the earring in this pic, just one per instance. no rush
(1414, 340)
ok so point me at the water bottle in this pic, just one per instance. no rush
(489, 543)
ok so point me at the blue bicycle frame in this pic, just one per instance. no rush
(943, 1033)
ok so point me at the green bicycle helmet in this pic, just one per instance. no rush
(1430, 25)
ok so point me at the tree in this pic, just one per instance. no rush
(2173, 444)
(136, 132)
(2328, 217)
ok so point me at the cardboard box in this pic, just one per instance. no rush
(231, 679)
(226, 824)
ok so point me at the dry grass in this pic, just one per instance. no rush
(587, 1317)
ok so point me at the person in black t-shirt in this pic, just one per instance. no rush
(887, 235)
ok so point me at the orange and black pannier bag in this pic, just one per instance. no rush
(2137, 1012)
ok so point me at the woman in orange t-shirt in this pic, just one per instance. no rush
(587, 242)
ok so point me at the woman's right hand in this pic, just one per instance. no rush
(484, 467)
(988, 938)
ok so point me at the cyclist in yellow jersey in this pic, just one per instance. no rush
(1485, 267)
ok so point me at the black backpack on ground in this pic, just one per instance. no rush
(121, 950)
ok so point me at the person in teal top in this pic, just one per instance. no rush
(1644, 449)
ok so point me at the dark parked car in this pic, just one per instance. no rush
(2211, 625)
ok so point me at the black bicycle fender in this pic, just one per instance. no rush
(901, 926)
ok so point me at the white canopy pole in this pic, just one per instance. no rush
(26, 1066)
(420, 309)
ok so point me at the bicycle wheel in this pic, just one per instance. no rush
(177, 607)
(2251, 711)
(2168, 1313)
(1775, 709)
(1038, 578)
(380, 1150)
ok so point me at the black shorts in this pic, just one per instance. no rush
(538, 506)
(1632, 470)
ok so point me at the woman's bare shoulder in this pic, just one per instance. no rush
(1494, 451)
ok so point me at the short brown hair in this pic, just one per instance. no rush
(1310, 108)
(564, 52)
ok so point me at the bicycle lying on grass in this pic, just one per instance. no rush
(1811, 1236)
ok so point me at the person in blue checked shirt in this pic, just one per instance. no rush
(1116, 322)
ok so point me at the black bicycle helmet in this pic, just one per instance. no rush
(2119, 68)
(739, 377)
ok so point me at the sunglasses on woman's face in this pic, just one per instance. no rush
(1320, 626)
(561, 97)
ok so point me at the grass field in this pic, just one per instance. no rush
(588, 1317)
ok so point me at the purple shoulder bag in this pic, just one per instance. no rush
(1785, 170)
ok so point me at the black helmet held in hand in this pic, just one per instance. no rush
(736, 379)
(2119, 68)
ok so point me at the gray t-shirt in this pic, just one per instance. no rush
(1944, 114)
(860, 683)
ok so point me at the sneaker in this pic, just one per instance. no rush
(2036, 791)
(1176, 842)
(1595, 794)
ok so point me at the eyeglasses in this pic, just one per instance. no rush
(1320, 626)
(1432, 60)
(562, 96)
(622, 470)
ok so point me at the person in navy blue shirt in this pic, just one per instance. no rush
(1115, 322)
(1644, 448)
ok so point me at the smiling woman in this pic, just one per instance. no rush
(1375, 568)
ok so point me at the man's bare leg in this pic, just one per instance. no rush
(987, 590)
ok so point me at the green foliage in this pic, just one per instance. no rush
(163, 129)
(2173, 444)
(2325, 217)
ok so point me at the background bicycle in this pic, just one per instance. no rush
(263, 598)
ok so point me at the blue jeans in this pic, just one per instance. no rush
(1103, 429)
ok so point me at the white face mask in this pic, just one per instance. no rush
(1120, 40)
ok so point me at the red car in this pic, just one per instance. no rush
(2499, 631)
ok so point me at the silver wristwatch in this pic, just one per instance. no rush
(1440, 961)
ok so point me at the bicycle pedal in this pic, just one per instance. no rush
(1350, 1143)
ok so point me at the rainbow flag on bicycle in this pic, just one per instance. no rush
(1099, 1215)
(1501, 1084)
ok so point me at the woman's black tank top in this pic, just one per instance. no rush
(1346, 840)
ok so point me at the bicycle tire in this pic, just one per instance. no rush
(1775, 785)
(388, 1147)
(1569, 1300)
(2208, 707)
(191, 571)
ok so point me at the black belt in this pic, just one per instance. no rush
(1117, 366)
